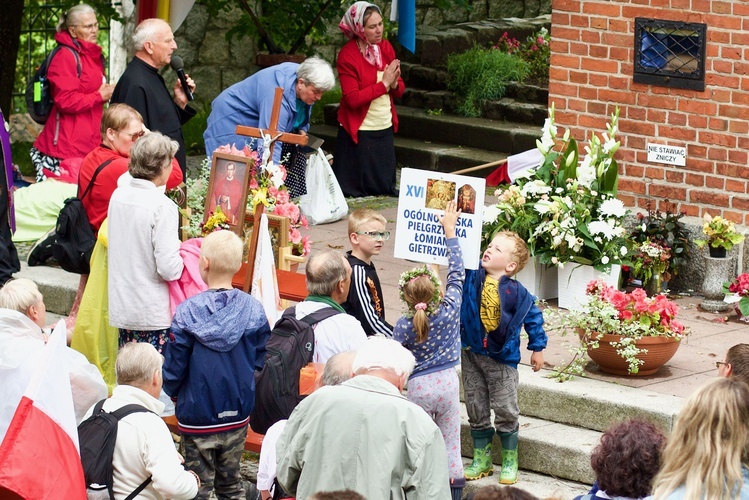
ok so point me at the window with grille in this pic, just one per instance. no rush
(670, 53)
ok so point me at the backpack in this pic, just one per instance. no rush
(38, 94)
(289, 349)
(97, 436)
(74, 238)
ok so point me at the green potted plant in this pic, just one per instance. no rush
(721, 235)
(624, 333)
(666, 229)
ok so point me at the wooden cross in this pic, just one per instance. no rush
(275, 134)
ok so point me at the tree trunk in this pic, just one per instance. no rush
(10, 33)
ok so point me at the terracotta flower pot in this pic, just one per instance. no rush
(660, 351)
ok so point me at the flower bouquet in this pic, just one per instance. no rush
(216, 221)
(581, 219)
(667, 230)
(721, 235)
(626, 317)
(650, 261)
(737, 293)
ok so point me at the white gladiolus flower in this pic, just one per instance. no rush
(586, 174)
(613, 208)
(491, 213)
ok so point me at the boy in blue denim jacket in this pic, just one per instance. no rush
(495, 307)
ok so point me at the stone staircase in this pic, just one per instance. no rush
(560, 424)
(431, 136)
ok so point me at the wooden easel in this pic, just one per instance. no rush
(286, 137)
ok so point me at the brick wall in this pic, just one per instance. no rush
(591, 73)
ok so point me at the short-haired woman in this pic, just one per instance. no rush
(143, 245)
(79, 90)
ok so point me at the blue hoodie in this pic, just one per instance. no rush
(217, 342)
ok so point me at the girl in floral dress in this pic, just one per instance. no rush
(430, 329)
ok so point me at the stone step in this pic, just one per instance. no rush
(57, 286)
(478, 133)
(540, 485)
(435, 44)
(425, 78)
(505, 109)
(425, 155)
(592, 404)
(546, 447)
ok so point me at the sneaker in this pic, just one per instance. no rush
(41, 251)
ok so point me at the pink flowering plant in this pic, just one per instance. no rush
(631, 315)
(650, 259)
(266, 187)
(737, 292)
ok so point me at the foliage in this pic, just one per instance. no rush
(737, 290)
(482, 74)
(610, 311)
(535, 51)
(721, 233)
(20, 151)
(193, 130)
(650, 259)
(581, 219)
(666, 229)
(197, 190)
(318, 110)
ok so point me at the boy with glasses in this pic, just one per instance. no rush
(366, 230)
(735, 364)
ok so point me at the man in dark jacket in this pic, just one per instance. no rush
(217, 341)
(143, 88)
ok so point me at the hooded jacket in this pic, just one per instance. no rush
(518, 309)
(72, 130)
(217, 342)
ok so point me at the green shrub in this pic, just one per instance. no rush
(482, 74)
(193, 131)
(20, 153)
(318, 114)
(535, 51)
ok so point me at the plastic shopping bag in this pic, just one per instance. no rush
(324, 201)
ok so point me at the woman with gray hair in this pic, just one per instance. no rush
(79, 88)
(250, 103)
(143, 245)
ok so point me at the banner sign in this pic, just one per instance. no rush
(419, 236)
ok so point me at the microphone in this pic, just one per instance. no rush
(177, 65)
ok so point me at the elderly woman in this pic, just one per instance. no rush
(79, 89)
(22, 317)
(143, 245)
(250, 102)
(120, 127)
(370, 78)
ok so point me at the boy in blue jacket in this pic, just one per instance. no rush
(217, 342)
(495, 307)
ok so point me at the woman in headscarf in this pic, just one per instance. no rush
(370, 78)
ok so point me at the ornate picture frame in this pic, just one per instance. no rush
(228, 188)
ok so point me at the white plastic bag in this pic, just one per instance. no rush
(324, 201)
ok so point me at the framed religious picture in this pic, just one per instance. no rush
(227, 188)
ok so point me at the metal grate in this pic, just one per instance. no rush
(670, 53)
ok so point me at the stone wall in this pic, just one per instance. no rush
(215, 63)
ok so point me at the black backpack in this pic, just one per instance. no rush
(74, 238)
(290, 347)
(97, 436)
(38, 95)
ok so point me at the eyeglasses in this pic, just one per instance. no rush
(134, 136)
(718, 363)
(94, 26)
(376, 235)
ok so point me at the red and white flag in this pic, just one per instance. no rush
(39, 456)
